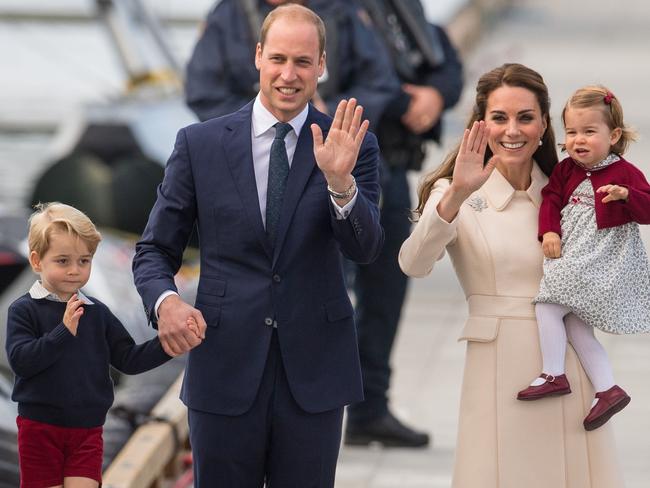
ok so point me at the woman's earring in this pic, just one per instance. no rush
(540, 143)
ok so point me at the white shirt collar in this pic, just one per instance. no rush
(38, 292)
(263, 120)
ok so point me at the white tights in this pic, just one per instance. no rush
(556, 323)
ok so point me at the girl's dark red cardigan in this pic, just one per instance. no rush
(567, 175)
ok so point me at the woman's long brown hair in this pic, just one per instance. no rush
(510, 74)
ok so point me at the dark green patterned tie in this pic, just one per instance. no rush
(278, 173)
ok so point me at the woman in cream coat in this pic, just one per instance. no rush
(486, 219)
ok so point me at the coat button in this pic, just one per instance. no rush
(268, 321)
(588, 173)
(276, 278)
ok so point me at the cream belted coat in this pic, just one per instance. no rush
(503, 442)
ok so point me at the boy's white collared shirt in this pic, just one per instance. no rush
(39, 292)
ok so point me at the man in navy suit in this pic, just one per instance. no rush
(275, 358)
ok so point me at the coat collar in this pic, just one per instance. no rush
(499, 191)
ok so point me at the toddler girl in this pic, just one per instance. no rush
(596, 271)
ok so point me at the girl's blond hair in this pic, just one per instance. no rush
(601, 98)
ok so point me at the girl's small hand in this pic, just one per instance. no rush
(72, 314)
(552, 245)
(614, 192)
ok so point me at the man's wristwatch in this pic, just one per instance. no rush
(345, 194)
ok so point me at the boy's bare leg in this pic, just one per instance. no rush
(79, 482)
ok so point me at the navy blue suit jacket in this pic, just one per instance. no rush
(245, 283)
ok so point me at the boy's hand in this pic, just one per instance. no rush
(614, 192)
(194, 326)
(552, 245)
(174, 332)
(72, 314)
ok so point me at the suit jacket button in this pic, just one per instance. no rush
(268, 321)
(277, 278)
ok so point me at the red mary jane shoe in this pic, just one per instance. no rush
(552, 386)
(609, 403)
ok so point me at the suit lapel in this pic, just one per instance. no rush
(239, 154)
(302, 166)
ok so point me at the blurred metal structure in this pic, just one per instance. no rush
(156, 452)
(109, 158)
(13, 265)
(132, 20)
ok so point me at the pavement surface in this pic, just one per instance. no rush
(571, 44)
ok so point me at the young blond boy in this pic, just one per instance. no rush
(60, 344)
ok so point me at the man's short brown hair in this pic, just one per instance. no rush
(294, 12)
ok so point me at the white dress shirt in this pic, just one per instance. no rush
(262, 135)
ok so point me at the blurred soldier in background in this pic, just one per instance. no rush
(431, 76)
(221, 77)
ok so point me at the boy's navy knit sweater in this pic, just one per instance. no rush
(62, 379)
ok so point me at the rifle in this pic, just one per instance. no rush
(253, 16)
(429, 51)
(426, 40)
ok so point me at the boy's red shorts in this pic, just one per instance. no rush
(48, 453)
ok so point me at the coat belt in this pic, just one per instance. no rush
(501, 306)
